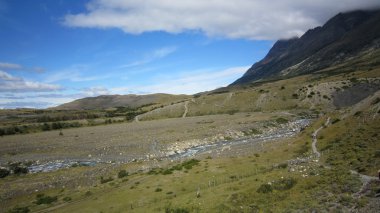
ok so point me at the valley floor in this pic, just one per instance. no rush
(278, 175)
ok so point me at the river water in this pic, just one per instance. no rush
(285, 131)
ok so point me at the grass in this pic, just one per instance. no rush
(250, 181)
(248, 178)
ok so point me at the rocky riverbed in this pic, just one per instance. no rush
(265, 131)
(231, 138)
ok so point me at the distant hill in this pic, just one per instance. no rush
(343, 38)
(111, 101)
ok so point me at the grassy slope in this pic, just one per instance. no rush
(226, 184)
(302, 92)
(354, 140)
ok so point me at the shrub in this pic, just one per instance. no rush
(102, 180)
(190, 163)
(354, 80)
(295, 96)
(284, 184)
(265, 188)
(376, 101)
(122, 173)
(19, 210)
(67, 199)
(4, 172)
(158, 190)
(283, 165)
(45, 199)
(232, 111)
(377, 154)
(167, 172)
(281, 120)
(18, 168)
(45, 127)
(176, 210)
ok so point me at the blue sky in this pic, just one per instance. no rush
(56, 51)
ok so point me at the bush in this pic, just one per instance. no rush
(122, 173)
(19, 210)
(190, 163)
(187, 165)
(335, 121)
(102, 180)
(167, 172)
(283, 165)
(265, 188)
(45, 127)
(281, 120)
(67, 199)
(18, 168)
(158, 190)
(232, 111)
(284, 184)
(4, 172)
(45, 199)
(176, 210)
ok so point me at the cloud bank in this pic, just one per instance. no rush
(10, 83)
(189, 82)
(248, 19)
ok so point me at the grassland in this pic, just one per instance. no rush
(274, 176)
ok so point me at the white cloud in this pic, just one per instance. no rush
(6, 66)
(190, 82)
(251, 19)
(12, 66)
(95, 91)
(154, 55)
(9, 83)
(34, 105)
(74, 73)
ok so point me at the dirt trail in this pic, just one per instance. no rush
(228, 97)
(186, 109)
(365, 179)
(314, 135)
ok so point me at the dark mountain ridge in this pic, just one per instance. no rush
(342, 37)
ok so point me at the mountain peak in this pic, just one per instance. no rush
(345, 34)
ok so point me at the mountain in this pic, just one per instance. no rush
(344, 37)
(110, 101)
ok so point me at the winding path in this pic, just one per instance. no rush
(314, 135)
(365, 179)
(186, 109)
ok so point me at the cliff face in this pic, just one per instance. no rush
(342, 37)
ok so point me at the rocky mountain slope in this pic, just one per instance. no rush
(342, 38)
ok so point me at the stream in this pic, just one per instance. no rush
(286, 131)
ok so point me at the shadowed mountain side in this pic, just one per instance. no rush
(343, 37)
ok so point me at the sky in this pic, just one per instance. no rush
(56, 51)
